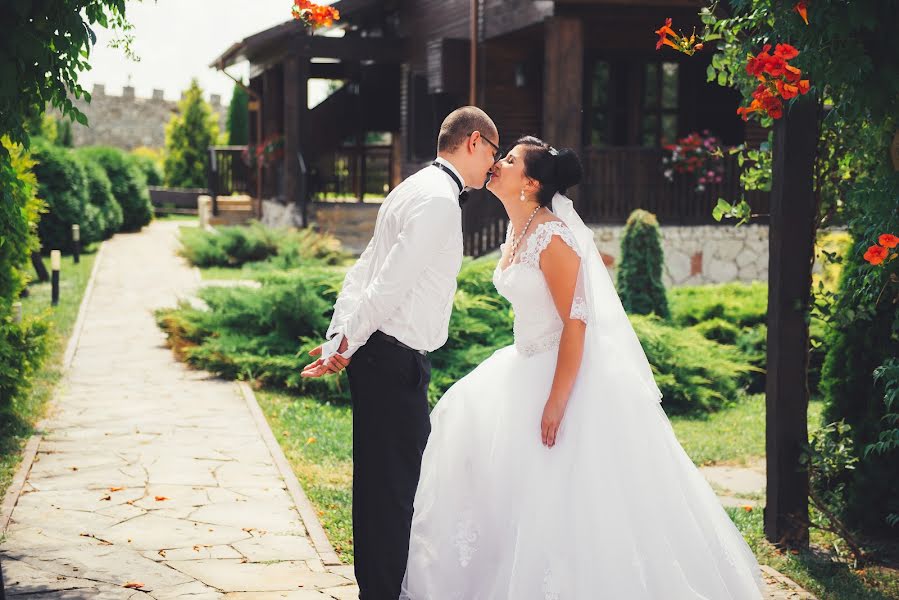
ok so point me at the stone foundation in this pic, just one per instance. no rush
(699, 254)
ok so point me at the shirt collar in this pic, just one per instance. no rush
(448, 164)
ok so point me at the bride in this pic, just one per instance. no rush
(551, 471)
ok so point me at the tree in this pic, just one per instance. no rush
(640, 273)
(238, 117)
(187, 139)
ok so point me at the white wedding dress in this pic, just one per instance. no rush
(614, 511)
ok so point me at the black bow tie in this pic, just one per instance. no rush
(463, 194)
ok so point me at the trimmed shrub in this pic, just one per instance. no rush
(99, 196)
(262, 334)
(694, 374)
(129, 187)
(639, 281)
(62, 184)
(22, 345)
(742, 304)
(237, 245)
(148, 166)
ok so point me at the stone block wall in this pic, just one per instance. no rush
(699, 254)
(126, 121)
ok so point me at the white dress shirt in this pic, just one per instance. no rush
(405, 280)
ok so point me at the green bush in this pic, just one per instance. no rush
(639, 281)
(62, 184)
(742, 304)
(694, 374)
(129, 186)
(860, 342)
(262, 334)
(237, 245)
(152, 172)
(238, 121)
(22, 345)
(99, 196)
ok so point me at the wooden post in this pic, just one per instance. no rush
(296, 76)
(473, 56)
(791, 250)
(563, 83)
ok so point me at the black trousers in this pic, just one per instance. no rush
(391, 424)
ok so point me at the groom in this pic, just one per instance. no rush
(393, 309)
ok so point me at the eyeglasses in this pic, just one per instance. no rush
(497, 153)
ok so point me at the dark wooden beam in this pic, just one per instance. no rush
(563, 82)
(328, 70)
(348, 48)
(791, 250)
(296, 77)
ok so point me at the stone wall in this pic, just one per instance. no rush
(699, 254)
(127, 121)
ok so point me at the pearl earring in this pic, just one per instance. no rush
(521, 197)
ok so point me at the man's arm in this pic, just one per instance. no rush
(425, 232)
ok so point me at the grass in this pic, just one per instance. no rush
(18, 420)
(735, 435)
(175, 217)
(317, 439)
(814, 570)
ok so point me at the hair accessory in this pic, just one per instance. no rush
(553, 151)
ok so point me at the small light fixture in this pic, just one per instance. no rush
(519, 75)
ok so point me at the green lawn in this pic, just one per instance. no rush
(732, 436)
(17, 421)
(317, 439)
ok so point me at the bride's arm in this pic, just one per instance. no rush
(560, 265)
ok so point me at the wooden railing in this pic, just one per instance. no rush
(620, 180)
(616, 182)
(228, 173)
(483, 223)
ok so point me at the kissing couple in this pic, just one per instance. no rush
(550, 472)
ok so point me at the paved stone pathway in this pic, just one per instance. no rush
(152, 474)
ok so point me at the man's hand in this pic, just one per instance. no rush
(334, 364)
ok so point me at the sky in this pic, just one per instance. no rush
(176, 40)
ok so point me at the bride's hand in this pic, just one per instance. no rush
(552, 419)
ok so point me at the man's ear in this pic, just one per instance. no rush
(472, 140)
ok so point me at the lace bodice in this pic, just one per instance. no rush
(537, 327)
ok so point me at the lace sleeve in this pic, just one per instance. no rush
(542, 236)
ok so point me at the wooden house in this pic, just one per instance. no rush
(579, 73)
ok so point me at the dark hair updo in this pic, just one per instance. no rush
(555, 170)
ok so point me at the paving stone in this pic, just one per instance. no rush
(237, 576)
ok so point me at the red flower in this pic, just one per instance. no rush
(802, 8)
(876, 254)
(664, 31)
(786, 51)
(888, 240)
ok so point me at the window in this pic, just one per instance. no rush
(631, 102)
(660, 103)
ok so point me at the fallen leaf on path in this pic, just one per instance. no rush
(106, 497)
(133, 584)
(116, 489)
(161, 553)
(161, 498)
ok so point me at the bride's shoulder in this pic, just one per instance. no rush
(551, 235)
